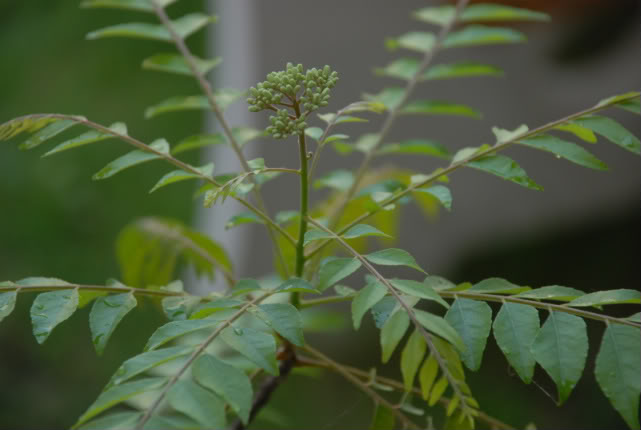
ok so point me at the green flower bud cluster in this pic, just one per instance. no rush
(284, 126)
(317, 86)
(282, 89)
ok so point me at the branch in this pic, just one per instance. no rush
(410, 313)
(328, 362)
(494, 422)
(494, 298)
(195, 355)
(461, 163)
(167, 157)
(206, 88)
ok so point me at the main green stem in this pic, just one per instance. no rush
(300, 248)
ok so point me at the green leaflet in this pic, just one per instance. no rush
(180, 175)
(88, 137)
(145, 361)
(390, 97)
(285, 320)
(198, 403)
(206, 309)
(383, 418)
(174, 329)
(382, 310)
(440, 192)
(440, 327)
(50, 309)
(437, 107)
(612, 131)
(472, 319)
(257, 346)
(628, 101)
(416, 146)
(581, 132)
(438, 283)
(340, 180)
(442, 15)
(617, 370)
(474, 35)
(243, 218)
(7, 303)
(427, 376)
(223, 97)
(174, 63)
(552, 292)
(393, 257)
(119, 394)
(139, 5)
(296, 285)
(359, 230)
(198, 141)
(50, 131)
(367, 297)
(363, 230)
(515, 328)
(392, 332)
(419, 41)
(314, 132)
(497, 286)
(106, 314)
(438, 390)
(565, 149)
(133, 158)
(418, 289)
(333, 270)
(412, 357)
(561, 347)
(610, 297)
(118, 420)
(505, 168)
(228, 382)
(460, 70)
(185, 26)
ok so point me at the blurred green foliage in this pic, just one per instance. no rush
(54, 220)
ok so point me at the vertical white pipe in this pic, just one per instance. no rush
(232, 38)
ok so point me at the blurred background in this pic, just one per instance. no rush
(582, 231)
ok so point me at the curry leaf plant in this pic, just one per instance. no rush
(216, 360)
